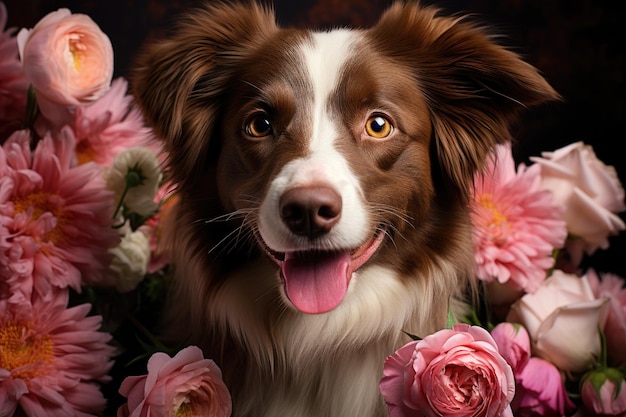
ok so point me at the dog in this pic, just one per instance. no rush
(323, 180)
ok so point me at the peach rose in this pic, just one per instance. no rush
(562, 318)
(590, 192)
(453, 372)
(186, 384)
(68, 60)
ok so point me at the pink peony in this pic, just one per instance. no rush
(56, 216)
(68, 60)
(513, 343)
(13, 84)
(453, 372)
(108, 126)
(186, 384)
(611, 286)
(52, 358)
(603, 392)
(540, 391)
(517, 226)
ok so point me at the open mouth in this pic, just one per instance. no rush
(316, 281)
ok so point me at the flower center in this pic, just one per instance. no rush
(77, 48)
(22, 352)
(494, 222)
(184, 411)
(40, 203)
(84, 152)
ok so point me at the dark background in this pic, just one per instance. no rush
(576, 44)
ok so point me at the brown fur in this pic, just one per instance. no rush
(453, 92)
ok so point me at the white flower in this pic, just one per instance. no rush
(562, 318)
(589, 190)
(130, 260)
(135, 177)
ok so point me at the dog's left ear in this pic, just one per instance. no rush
(474, 87)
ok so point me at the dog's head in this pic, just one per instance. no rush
(332, 148)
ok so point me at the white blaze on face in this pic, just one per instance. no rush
(323, 60)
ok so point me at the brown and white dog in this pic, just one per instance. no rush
(323, 179)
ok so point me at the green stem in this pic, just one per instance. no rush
(121, 202)
(32, 112)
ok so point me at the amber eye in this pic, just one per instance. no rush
(258, 126)
(378, 127)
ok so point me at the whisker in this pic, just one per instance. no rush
(226, 217)
(385, 209)
(244, 232)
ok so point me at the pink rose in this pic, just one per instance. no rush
(540, 391)
(453, 372)
(513, 343)
(603, 392)
(589, 191)
(186, 384)
(562, 318)
(68, 60)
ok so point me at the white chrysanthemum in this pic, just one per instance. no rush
(134, 178)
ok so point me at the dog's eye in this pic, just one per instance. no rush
(378, 127)
(258, 126)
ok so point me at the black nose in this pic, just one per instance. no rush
(310, 211)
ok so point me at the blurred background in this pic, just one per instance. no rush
(576, 44)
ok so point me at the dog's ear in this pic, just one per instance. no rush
(179, 81)
(474, 86)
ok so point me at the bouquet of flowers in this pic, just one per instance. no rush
(561, 331)
(82, 198)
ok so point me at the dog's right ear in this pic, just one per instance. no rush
(179, 82)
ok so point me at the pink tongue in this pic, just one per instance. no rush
(317, 284)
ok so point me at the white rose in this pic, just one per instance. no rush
(589, 190)
(562, 318)
(130, 260)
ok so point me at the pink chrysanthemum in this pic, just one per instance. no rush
(56, 218)
(517, 226)
(13, 84)
(52, 358)
(108, 126)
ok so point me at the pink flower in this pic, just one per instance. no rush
(453, 372)
(562, 319)
(108, 126)
(68, 60)
(590, 192)
(517, 226)
(513, 343)
(13, 84)
(603, 392)
(540, 391)
(57, 218)
(611, 286)
(186, 384)
(51, 358)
